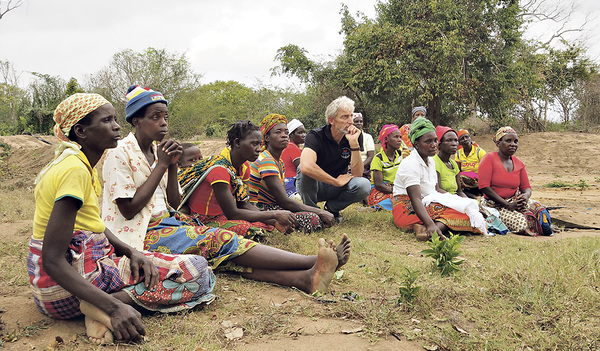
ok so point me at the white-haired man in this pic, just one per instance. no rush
(328, 150)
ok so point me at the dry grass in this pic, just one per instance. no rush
(511, 293)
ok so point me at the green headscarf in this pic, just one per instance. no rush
(420, 127)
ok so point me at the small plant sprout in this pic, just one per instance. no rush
(445, 253)
(408, 290)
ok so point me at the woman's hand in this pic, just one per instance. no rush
(169, 152)
(141, 264)
(511, 205)
(327, 218)
(285, 221)
(432, 228)
(127, 323)
(522, 202)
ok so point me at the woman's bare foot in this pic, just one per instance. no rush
(97, 332)
(420, 232)
(97, 324)
(342, 250)
(324, 268)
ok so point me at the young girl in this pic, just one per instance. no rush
(266, 179)
(141, 190)
(75, 264)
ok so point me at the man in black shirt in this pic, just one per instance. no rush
(324, 162)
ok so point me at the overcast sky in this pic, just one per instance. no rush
(223, 40)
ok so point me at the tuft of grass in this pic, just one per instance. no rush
(557, 184)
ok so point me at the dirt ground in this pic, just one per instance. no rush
(571, 158)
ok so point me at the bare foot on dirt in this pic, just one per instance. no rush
(97, 332)
(420, 232)
(97, 324)
(324, 268)
(342, 250)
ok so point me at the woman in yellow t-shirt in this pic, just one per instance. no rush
(75, 265)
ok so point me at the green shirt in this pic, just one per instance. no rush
(447, 175)
(382, 163)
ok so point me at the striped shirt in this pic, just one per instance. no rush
(264, 166)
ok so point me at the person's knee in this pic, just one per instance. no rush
(359, 186)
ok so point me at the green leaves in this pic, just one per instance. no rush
(445, 253)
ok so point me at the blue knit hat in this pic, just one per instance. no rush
(138, 98)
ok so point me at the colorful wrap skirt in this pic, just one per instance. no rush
(534, 221)
(245, 229)
(405, 216)
(379, 200)
(308, 222)
(185, 280)
(177, 233)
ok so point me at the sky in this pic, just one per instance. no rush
(223, 40)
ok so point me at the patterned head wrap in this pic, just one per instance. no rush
(270, 121)
(502, 132)
(72, 110)
(420, 127)
(385, 131)
(462, 132)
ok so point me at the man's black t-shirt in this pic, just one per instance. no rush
(332, 157)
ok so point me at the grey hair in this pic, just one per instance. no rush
(342, 102)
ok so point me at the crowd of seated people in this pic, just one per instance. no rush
(170, 214)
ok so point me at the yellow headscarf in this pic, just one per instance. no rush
(269, 122)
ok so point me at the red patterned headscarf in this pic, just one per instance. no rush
(502, 132)
(385, 131)
(270, 121)
(72, 110)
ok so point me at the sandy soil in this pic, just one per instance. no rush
(567, 157)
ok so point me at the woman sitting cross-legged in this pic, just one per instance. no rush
(445, 166)
(76, 265)
(141, 189)
(384, 167)
(417, 205)
(266, 184)
(505, 186)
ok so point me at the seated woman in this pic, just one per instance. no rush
(266, 187)
(505, 186)
(75, 264)
(384, 166)
(141, 189)
(216, 192)
(291, 156)
(415, 184)
(468, 156)
(446, 168)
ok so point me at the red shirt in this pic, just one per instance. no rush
(292, 152)
(493, 174)
(203, 200)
